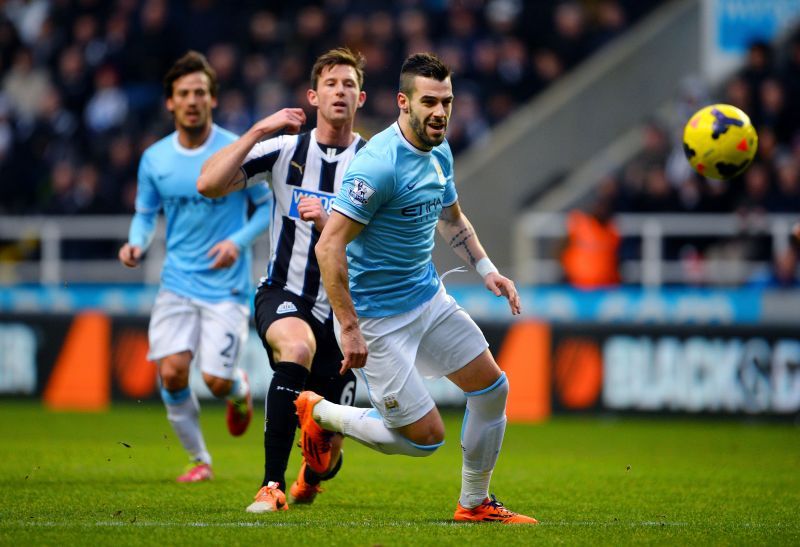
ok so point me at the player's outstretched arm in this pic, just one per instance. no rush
(221, 173)
(456, 229)
(330, 250)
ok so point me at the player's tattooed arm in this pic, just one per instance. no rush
(456, 229)
(239, 180)
(460, 241)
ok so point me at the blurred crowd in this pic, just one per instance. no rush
(81, 96)
(660, 179)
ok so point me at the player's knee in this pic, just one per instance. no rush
(173, 379)
(296, 351)
(490, 401)
(174, 371)
(430, 435)
(422, 450)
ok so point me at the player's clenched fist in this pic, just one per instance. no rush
(225, 253)
(130, 255)
(310, 208)
(288, 119)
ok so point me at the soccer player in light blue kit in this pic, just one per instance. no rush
(395, 321)
(201, 310)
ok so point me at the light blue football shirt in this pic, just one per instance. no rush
(167, 179)
(397, 191)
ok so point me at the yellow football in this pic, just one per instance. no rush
(719, 141)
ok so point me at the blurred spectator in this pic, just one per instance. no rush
(782, 273)
(120, 174)
(758, 65)
(154, 46)
(611, 20)
(773, 112)
(658, 195)
(570, 37)
(756, 190)
(25, 85)
(232, 112)
(62, 182)
(787, 196)
(27, 16)
(73, 80)
(57, 128)
(738, 93)
(108, 107)
(591, 254)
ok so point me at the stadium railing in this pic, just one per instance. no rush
(53, 242)
(536, 236)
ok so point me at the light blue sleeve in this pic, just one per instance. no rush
(142, 230)
(450, 193)
(148, 203)
(261, 196)
(367, 184)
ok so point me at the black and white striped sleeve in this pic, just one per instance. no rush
(260, 160)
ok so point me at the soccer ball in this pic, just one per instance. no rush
(719, 141)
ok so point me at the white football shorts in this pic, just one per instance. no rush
(214, 332)
(432, 340)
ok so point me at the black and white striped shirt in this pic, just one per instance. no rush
(297, 166)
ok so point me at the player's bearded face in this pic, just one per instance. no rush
(429, 110)
(337, 95)
(191, 101)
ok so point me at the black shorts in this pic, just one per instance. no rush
(324, 377)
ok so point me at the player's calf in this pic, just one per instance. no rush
(362, 424)
(239, 403)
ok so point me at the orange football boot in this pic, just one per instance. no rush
(491, 510)
(315, 441)
(268, 499)
(301, 491)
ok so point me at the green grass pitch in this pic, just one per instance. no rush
(107, 479)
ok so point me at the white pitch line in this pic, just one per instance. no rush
(363, 524)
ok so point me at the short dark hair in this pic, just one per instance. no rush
(193, 61)
(426, 65)
(339, 56)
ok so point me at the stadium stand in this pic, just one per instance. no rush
(80, 95)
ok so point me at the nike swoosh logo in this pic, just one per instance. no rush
(411, 185)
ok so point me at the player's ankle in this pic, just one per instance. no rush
(329, 415)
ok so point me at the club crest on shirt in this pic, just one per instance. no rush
(286, 307)
(360, 193)
(391, 404)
